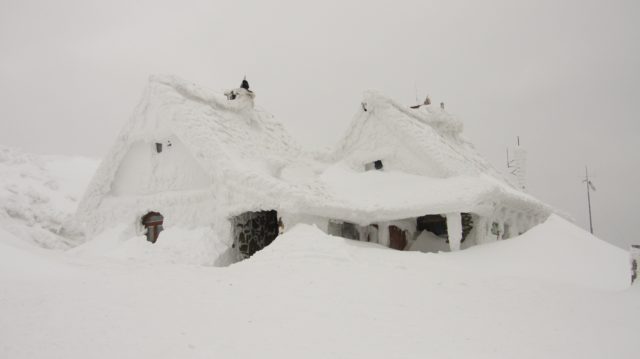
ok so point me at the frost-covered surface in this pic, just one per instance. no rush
(392, 194)
(554, 292)
(387, 129)
(38, 194)
(220, 158)
(199, 246)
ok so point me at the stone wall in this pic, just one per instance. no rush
(254, 231)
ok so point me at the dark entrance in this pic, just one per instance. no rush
(397, 238)
(254, 231)
(153, 222)
(437, 225)
(343, 229)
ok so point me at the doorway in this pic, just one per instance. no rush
(397, 238)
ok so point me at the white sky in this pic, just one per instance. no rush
(563, 75)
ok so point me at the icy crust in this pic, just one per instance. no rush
(230, 140)
(377, 196)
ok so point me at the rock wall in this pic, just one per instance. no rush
(254, 231)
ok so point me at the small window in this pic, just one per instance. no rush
(377, 165)
(158, 147)
(343, 229)
(495, 228)
(231, 95)
(152, 221)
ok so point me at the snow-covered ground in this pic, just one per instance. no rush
(554, 292)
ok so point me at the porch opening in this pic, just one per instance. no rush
(397, 238)
(343, 229)
(437, 224)
(152, 221)
(254, 231)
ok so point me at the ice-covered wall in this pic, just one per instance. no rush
(144, 170)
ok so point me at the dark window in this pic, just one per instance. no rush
(343, 229)
(158, 147)
(437, 225)
(495, 228)
(433, 223)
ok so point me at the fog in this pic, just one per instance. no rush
(564, 76)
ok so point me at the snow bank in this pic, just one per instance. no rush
(38, 194)
(194, 246)
(556, 251)
(311, 295)
(22, 261)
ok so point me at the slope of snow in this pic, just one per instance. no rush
(38, 194)
(310, 295)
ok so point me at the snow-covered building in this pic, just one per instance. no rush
(403, 177)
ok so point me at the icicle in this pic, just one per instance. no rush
(454, 228)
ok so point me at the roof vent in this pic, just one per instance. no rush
(377, 165)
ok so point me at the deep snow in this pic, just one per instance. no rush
(554, 292)
(315, 296)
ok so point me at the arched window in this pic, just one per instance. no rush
(152, 221)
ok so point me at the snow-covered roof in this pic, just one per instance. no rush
(247, 150)
(226, 138)
(428, 131)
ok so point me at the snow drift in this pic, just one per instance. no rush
(315, 296)
(38, 194)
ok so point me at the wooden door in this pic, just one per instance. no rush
(397, 238)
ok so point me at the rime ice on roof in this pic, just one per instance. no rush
(223, 157)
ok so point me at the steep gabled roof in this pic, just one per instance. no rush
(459, 179)
(430, 132)
(227, 138)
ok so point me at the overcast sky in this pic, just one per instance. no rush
(562, 75)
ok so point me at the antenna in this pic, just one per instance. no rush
(415, 87)
(590, 187)
(508, 162)
(517, 163)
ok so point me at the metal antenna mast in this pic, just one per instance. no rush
(590, 187)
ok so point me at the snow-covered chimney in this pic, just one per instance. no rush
(243, 95)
